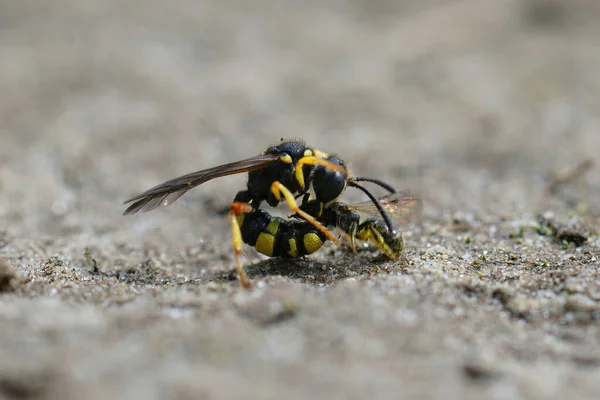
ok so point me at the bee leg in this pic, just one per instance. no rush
(278, 189)
(353, 238)
(238, 209)
(349, 239)
(349, 242)
(376, 232)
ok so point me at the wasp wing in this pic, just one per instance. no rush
(169, 191)
(403, 207)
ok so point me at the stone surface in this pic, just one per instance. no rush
(486, 109)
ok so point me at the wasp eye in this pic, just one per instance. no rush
(285, 158)
(308, 153)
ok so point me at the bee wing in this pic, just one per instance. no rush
(402, 207)
(169, 191)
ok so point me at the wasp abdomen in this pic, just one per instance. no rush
(278, 237)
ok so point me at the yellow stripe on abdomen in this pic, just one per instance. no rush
(273, 227)
(265, 243)
(312, 242)
(293, 252)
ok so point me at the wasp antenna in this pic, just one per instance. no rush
(386, 217)
(384, 185)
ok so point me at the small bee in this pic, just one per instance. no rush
(394, 208)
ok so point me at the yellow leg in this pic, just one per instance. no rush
(312, 160)
(278, 189)
(237, 209)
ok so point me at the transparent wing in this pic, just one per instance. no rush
(169, 191)
(402, 207)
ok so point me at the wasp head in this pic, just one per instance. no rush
(329, 183)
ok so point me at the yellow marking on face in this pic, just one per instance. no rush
(286, 158)
(273, 227)
(308, 153)
(293, 252)
(265, 243)
(312, 242)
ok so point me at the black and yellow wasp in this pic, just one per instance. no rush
(287, 171)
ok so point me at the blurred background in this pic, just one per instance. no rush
(478, 106)
(487, 109)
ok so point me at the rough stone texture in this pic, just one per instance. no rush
(488, 109)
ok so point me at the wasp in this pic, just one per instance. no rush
(285, 171)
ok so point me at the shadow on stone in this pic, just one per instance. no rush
(323, 272)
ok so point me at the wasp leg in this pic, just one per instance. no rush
(313, 160)
(278, 189)
(376, 232)
(238, 209)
